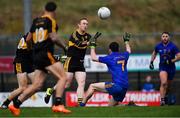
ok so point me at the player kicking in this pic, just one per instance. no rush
(44, 34)
(23, 67)
(169, 54)
(116, 63)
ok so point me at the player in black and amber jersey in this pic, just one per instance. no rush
(78, 41)
(23, 67)
(44, 34)
(23, 60)
(74, 64)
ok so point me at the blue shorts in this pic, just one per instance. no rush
(116, 91)
(170, 72)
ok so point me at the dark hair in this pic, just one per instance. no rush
(50, 6)
(84, 18)
(114, 46)
(166, 33)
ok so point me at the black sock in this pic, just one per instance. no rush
(17, 103)
(162, 99)
(58, 101)
(7, 102)
(15, 99)
(166, 99)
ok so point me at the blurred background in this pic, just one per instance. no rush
(144, 19)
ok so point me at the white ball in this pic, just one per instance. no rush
(104, 13)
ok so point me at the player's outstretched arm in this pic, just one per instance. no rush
(93, 55)
(93, 40)
(128, 48)
(92, 45)
(126, 38)
(55, 38)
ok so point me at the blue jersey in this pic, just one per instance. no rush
(148, 87)
(166, 52)
(116, 63)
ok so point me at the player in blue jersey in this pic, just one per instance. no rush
(148, 86)
(169, 54)
(116, 63)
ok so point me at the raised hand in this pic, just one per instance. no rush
(93, 40)
(126, 37)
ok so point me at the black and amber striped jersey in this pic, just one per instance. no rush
(76, 47)
(40, 30)
(22, 50)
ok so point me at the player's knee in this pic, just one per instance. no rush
(92, 86)
(23, 88)
(164, 85)
(37, 86)
(81, 84)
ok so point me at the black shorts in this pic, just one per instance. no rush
(73, 64)
(42, 59)
(23, 65)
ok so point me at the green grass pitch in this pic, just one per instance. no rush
(120, 111)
